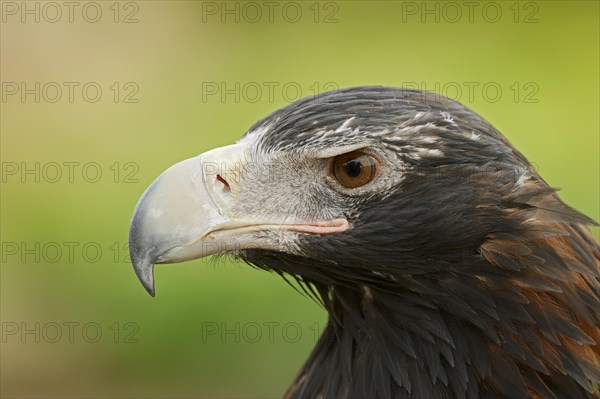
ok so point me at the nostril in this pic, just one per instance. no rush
(226, 187)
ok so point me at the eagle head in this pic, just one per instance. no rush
(449, 268)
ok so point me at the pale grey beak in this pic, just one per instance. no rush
(177, 210)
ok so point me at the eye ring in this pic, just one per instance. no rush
(354, 169)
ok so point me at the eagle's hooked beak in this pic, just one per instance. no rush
(188, 212)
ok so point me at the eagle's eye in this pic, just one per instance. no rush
(354, 169)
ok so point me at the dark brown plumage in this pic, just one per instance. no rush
(461, 273)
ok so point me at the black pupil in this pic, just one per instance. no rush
(353, 168)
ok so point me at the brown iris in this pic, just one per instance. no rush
(354, 169)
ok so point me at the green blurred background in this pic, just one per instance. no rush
(186, 78)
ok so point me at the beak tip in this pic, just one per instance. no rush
(150, 291)
(144, 270)
(145, 275)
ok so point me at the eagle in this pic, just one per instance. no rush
(448, 267)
